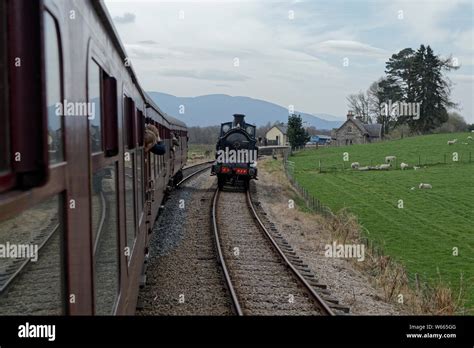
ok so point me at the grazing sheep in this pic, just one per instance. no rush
(389, 159)
(403, 166)
(384, 166)
(412, 188)
(416, 168)
(469, 137)
(452, 142)
(355, 165)
(363, 169)
(425, 186)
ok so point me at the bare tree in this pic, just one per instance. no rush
(359, 103)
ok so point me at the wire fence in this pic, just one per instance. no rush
(414, 162)
(312, 202)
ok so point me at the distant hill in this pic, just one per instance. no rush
(213, 109)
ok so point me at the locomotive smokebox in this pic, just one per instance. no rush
(239, 120)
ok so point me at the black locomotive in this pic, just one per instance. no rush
(236, 153)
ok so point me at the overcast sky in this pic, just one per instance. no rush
(289, 52)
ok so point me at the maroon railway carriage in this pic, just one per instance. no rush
(76, 187)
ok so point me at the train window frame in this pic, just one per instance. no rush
(94, 62)
(61, 87)
(6, 175)
(129, 151)
(110, 113)
(95, 238)
(130, 123)
(28, 148)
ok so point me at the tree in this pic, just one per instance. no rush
(419, 75)
(388, 91)
(262, 130)
(455, 123)
(400, 70)
(359, 104)
(297, 136)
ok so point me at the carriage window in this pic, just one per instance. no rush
(95, 117)
(130, 198)
(105, 239)
(4, 136)
(140, 181)
(55, 109)
(31, 272)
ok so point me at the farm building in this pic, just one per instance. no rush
(320, 139)
(277, 135)
(354, 131)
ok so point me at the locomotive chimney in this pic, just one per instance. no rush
(239, 120)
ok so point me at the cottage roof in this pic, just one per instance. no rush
(372, 130)
(360, 125)
(282, 128)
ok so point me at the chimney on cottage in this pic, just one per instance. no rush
(350, 115)
(359, 117)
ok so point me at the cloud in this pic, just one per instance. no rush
(147, 42)
(462, 78)
(206, 74)
(349, 47)
(126, 18)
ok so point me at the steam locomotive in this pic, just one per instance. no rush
(236, 153)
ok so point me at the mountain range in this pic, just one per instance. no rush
(213, 109)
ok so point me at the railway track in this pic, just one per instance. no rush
(194, 170)
(262, 274)
(15, 265)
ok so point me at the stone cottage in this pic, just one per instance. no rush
(277, 135)
(354, 131)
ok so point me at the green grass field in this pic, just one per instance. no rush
(201, 150)
(431, 223)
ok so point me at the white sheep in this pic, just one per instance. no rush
(452, 142)
(403, 166)
(425, 186)
(389, 159)
(416, 168)
(363, 169)
(412, 188)
(469, 137)
(384, 166)
(355, 165)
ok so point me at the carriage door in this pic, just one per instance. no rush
(103, 144)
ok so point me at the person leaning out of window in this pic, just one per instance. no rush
(153, 141)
